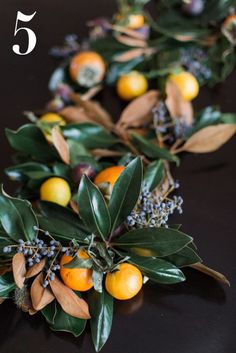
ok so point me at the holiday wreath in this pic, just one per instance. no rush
(90, 220)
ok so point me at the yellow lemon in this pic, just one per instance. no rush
(55, 190)
(187, 84)
(131, 85)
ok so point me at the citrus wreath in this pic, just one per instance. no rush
(90, 222)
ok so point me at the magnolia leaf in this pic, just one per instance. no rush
(1, 300)
(74, 114)
(184, 257)
(176, 105)
(154, 174)
(30, 139)
(61, 145)
(210, 272)
(40, 296)
(94, 212)
(67, 323)
(129, 55)
(97, 278)
(138, 112)
(69, 301)
(17, 217)
(129, 32)
(125, 193)
(35, 269)
(19, 269)
(101, 306)
(158, 270)
(151, 150)
(131, 42)
(7, 285)
(209, 139)
(163, 241)
(99, 152)
(78, 262)
(93, 91)
(49, 312)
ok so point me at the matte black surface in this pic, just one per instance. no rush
(198, 316)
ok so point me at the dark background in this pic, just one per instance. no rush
(198, 316)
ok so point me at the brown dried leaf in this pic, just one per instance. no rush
(75, 115)
(35, 269)
(99, 152)
(40, 296)
(210, 272)
(138, 112)
(91, 93)
(209, 138)
(131, 42)
(129, 32)
(26, 305)
(176, 105)
(129, 55)
(19, 269)
(93, 110)
(69, 301)
(61, 145)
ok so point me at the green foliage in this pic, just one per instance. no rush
(17, 217)
(125, 193)
(90, 135)
(30, 140)
(101, 307)
(94, 211)
(162, 241)
(7, 285)
(154, 174)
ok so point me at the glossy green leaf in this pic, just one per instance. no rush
(185, 257)
(17, 217)
(67, 323)
(101, 309)
(228, 118)
(126, 192)
(78, 262)
(61, 222)
(97, 278)
(76, 151)
(94, 211)
(30, 139)
(158, 270)
(154, 174)
(89, 135)
(118, 69)
(7, 285)
(22, 172)
(152, 151)
(49, 312)
(62, 170)
(162, 241)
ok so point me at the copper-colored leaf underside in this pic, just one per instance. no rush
(40, 296)
(19, 269)
(35, 269)
(209, 139)
(69, 301)
(139, 111)
(176, 105)
(61, 145)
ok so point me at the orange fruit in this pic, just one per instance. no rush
(135, 21)
(187, 84)
(52, 118)
(109, 175)
(77, 278)
(87, 68)
(55, 190)
(131, 85)
(125, 283)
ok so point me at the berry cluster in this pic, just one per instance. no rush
(152, 210)
(195, 61)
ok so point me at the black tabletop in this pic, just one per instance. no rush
(198, 316)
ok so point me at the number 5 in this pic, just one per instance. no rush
(31, 35)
